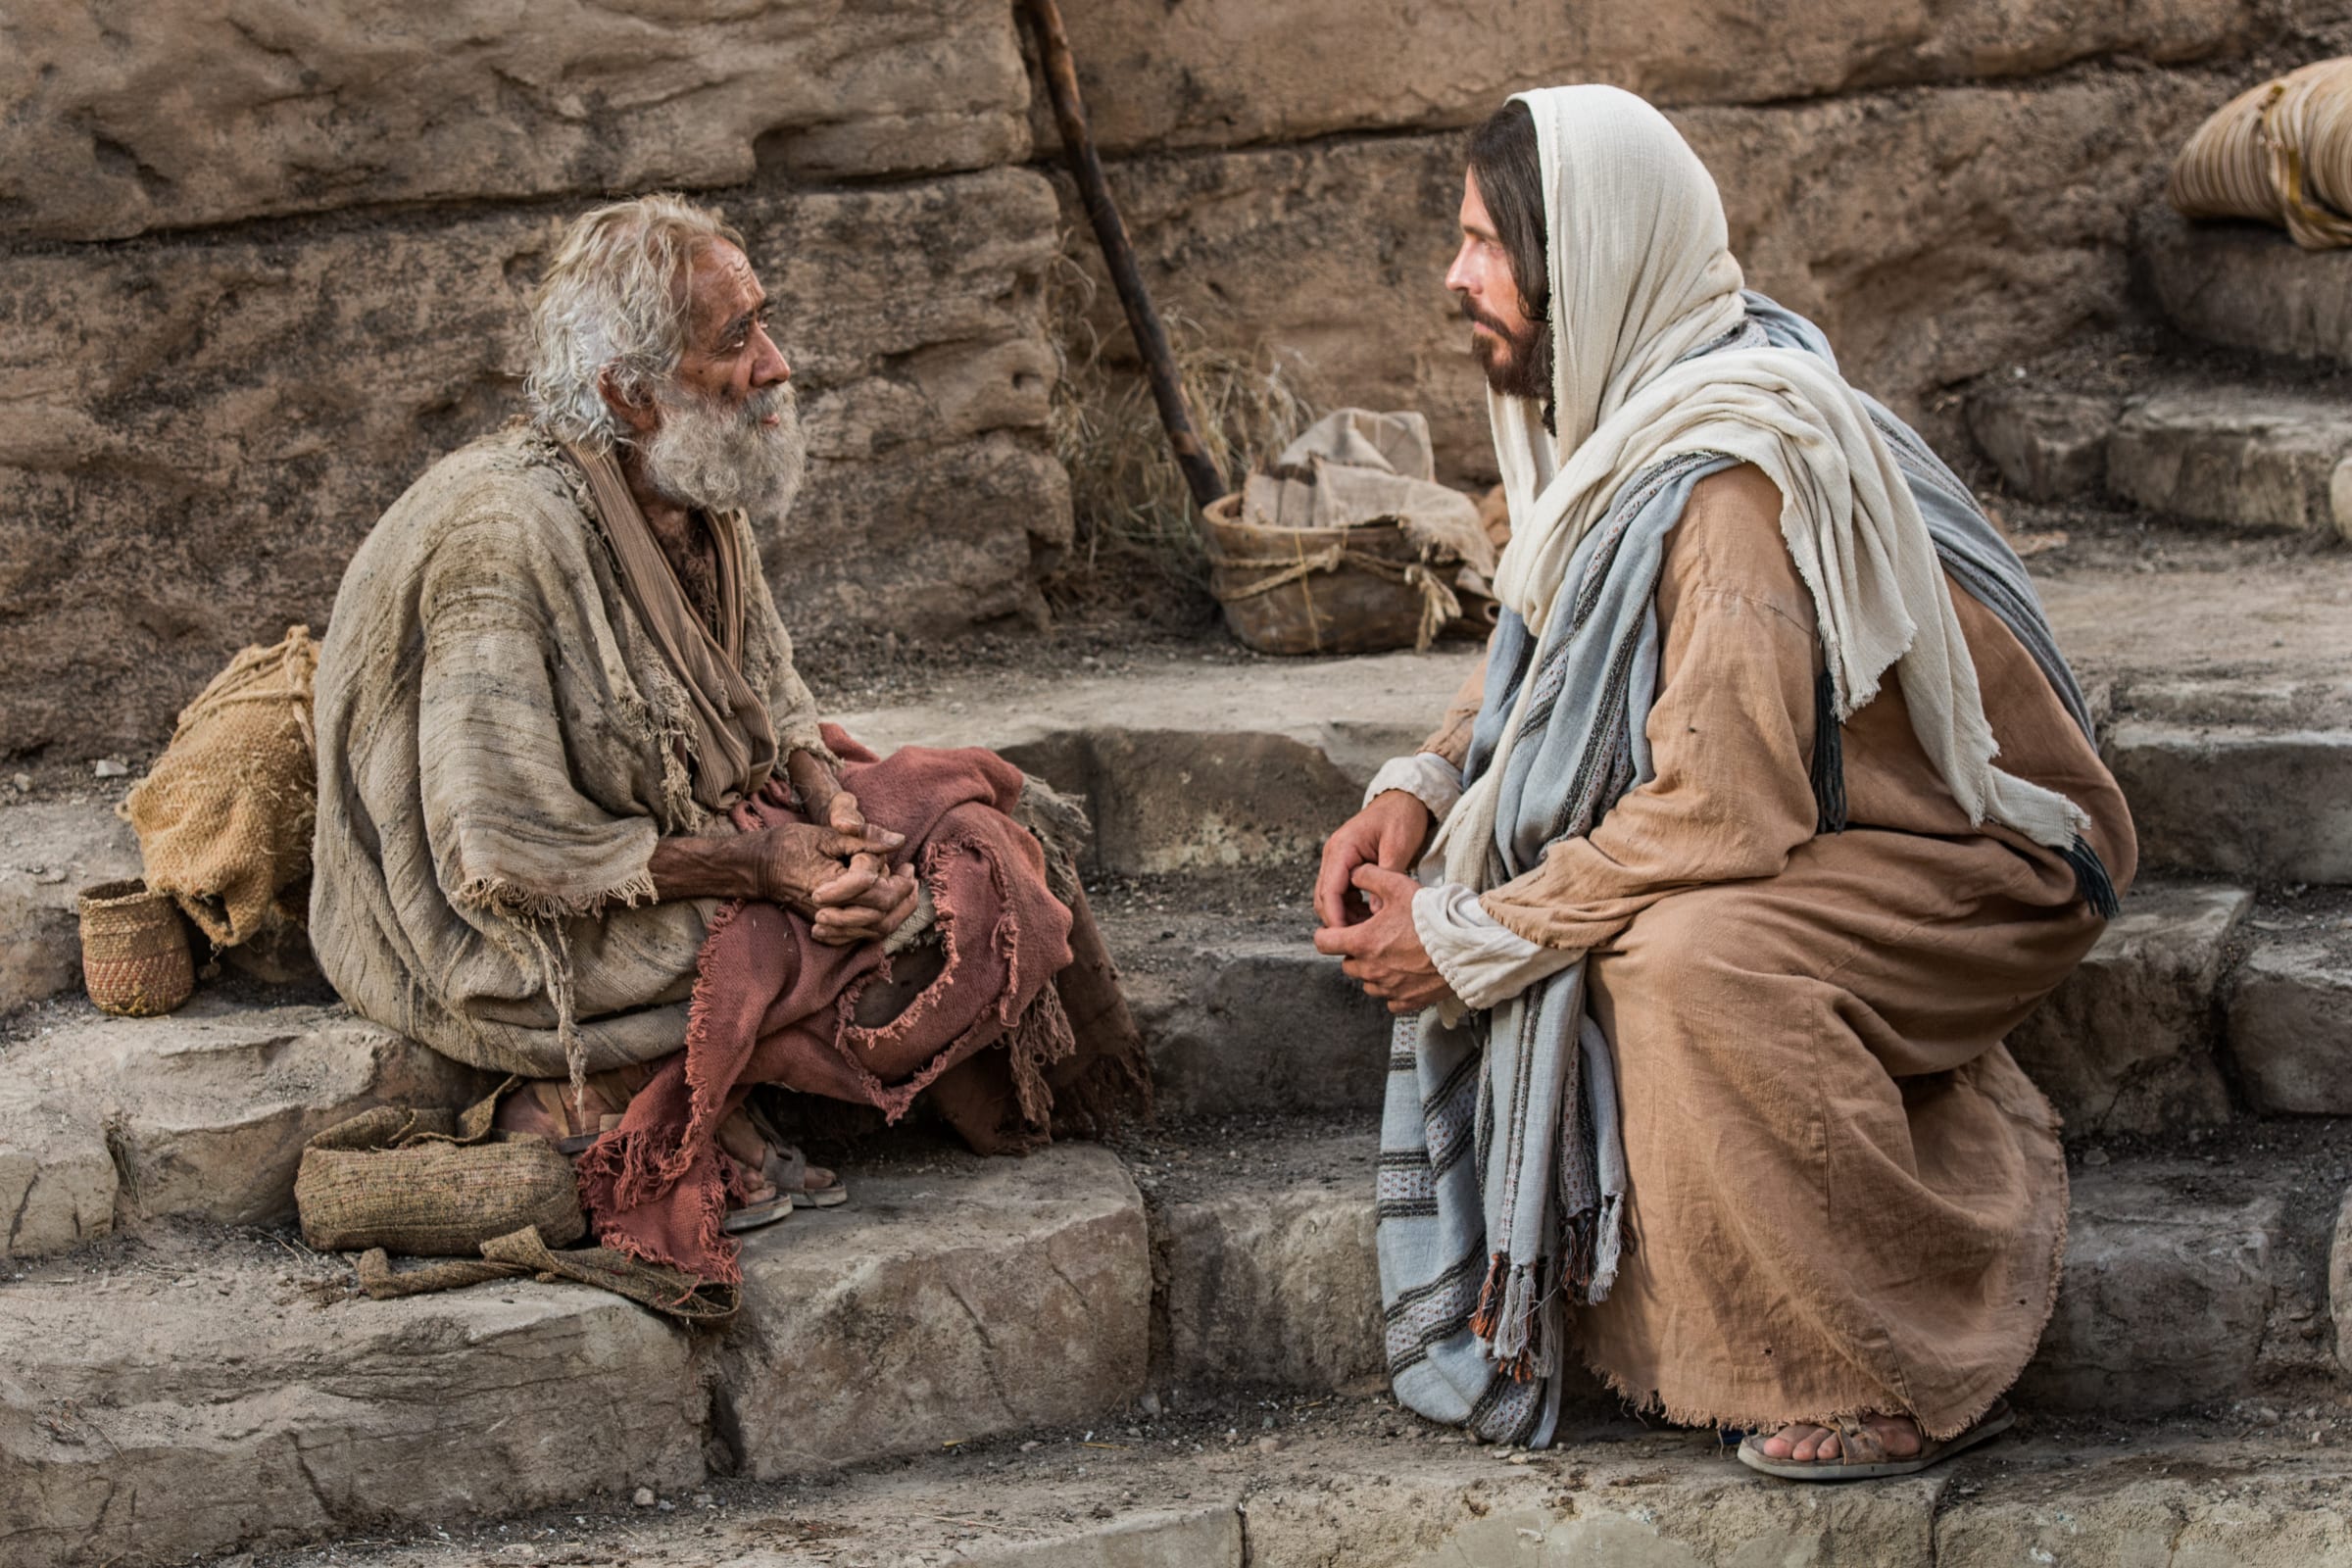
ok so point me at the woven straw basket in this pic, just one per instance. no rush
(429, 1197)
(135, 951)
(1356, 590)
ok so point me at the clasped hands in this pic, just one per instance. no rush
(1364, 898)
(834, 869)
(838, 874)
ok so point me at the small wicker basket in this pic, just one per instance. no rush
(134, 950)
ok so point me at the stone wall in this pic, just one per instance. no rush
(262, 262)
(1945, 185)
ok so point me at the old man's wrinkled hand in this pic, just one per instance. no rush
(841, 881)
(1383, 952)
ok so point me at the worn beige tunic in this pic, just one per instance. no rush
(1846, 1196)
(501, 744)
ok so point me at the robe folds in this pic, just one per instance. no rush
(1846, 1194)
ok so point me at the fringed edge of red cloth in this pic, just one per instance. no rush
(658, 1187)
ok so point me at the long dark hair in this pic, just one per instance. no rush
(1503, 156)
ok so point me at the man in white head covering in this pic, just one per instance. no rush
(1772, 810)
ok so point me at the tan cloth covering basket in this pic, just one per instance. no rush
(225, 819)
(428, 1184)
(1347, 543)
(2280, 153)
(135, 951)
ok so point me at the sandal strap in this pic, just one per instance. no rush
(1857, 1444)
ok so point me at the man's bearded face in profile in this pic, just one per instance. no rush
(720, 456)
(1511, 357)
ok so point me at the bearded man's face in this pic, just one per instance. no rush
(1509, 345)
(729, 434)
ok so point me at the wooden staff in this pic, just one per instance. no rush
(1078, 144)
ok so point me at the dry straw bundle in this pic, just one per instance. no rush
(2280, 153)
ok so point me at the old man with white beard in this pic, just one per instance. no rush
(562, 741)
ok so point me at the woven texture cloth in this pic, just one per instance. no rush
(224, 817)
(429, 1185)
(774, 1006)
(501, 744)
(2280, 153)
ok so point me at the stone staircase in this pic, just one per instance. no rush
(1166, 1350)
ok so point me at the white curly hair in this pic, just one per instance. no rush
(614, 299)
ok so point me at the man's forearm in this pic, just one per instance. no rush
(813, 781)
(705, 868)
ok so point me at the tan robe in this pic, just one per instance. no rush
(1846, 1196)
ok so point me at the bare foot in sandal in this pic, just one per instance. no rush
(771, 1165)
(1805, 1442)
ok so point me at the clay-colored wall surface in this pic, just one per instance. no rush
(262, 260)
(1943, 184)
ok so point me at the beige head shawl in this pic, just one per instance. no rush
(1641, 276)
(734, 739)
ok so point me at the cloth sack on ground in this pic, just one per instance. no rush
(431, 1184)
(224, 817)
(773, 1005)
(1347, 543)
(2280, 153)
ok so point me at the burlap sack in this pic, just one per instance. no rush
(428, 1184)
(225, 819)
(2280, 153)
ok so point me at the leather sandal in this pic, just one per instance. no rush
(1861, 1456)
(784, 1167)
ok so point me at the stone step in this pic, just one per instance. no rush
(1353, 1483)
(2186, 1282)
(2246, 286)
(108, 1122)
(199, 1114)
(1229, 759)
(2254, 457)
(2290, 1008)
(49, 852)
(2238, 781)
(194, 1391)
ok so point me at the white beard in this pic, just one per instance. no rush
(715, 458)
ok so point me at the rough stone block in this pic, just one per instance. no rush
(1279, 1287)
(1184, 800)
(960, 1302)
(57, 1177)
(2200, 1509)
(2247, 285)
(180, 1406)
(2049, 445)
(202, 429)
(1933, 233)
(188, 113)
(48, 854)
(2233, 456)
(2339, 1283)
(1669, 1508)
(1358, 713)
(2125, 1044)
(1263, 1026)
(207, 1109)
(2164, 1298)
(2235, 800)
(2291, 1026)
(1164, 1537)
(1225, 72)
